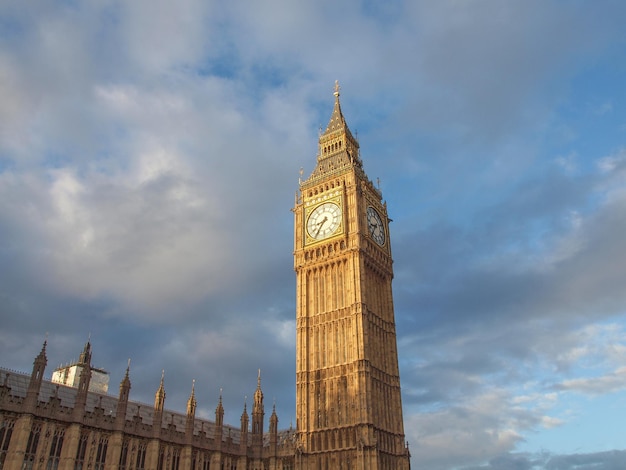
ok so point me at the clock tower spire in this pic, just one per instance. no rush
(337, 146)
(348, 403)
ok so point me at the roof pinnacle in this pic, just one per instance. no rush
(192, 402)
(159, 397)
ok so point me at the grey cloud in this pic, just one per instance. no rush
(609, 383)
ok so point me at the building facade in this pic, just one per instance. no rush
(50, 426)
(348, 402)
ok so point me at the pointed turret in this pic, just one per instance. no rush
(244, 427)
(219, 422)
(245, 420)
(187, 455)
(273, 430)
(219, 412)
(39, 366)
(84, 364)
(152, 451)
(159, 405)
(274, 421)
(191, 412)
(192, 402)
(125, 385)
(258, 403)
(258, 413)
(84, 361)
(159, 396)
(85, 356)
(122, 402)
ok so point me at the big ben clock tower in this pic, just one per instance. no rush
(348, 403)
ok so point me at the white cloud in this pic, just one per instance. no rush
(471, 431)
(609, 383)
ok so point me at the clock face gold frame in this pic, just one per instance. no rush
(325, 220)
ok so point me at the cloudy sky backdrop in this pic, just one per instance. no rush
(150, 152)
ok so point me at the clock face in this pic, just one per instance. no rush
(375, 226)
(324, 221)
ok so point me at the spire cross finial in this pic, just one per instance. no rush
(336, 93)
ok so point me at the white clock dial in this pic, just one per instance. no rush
(324, 220)
(375, 226)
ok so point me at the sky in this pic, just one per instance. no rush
(150, 153)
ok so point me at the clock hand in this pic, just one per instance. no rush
(320, 225)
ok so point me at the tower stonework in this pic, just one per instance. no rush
(348, 402)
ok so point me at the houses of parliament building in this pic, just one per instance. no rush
(348, 401)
